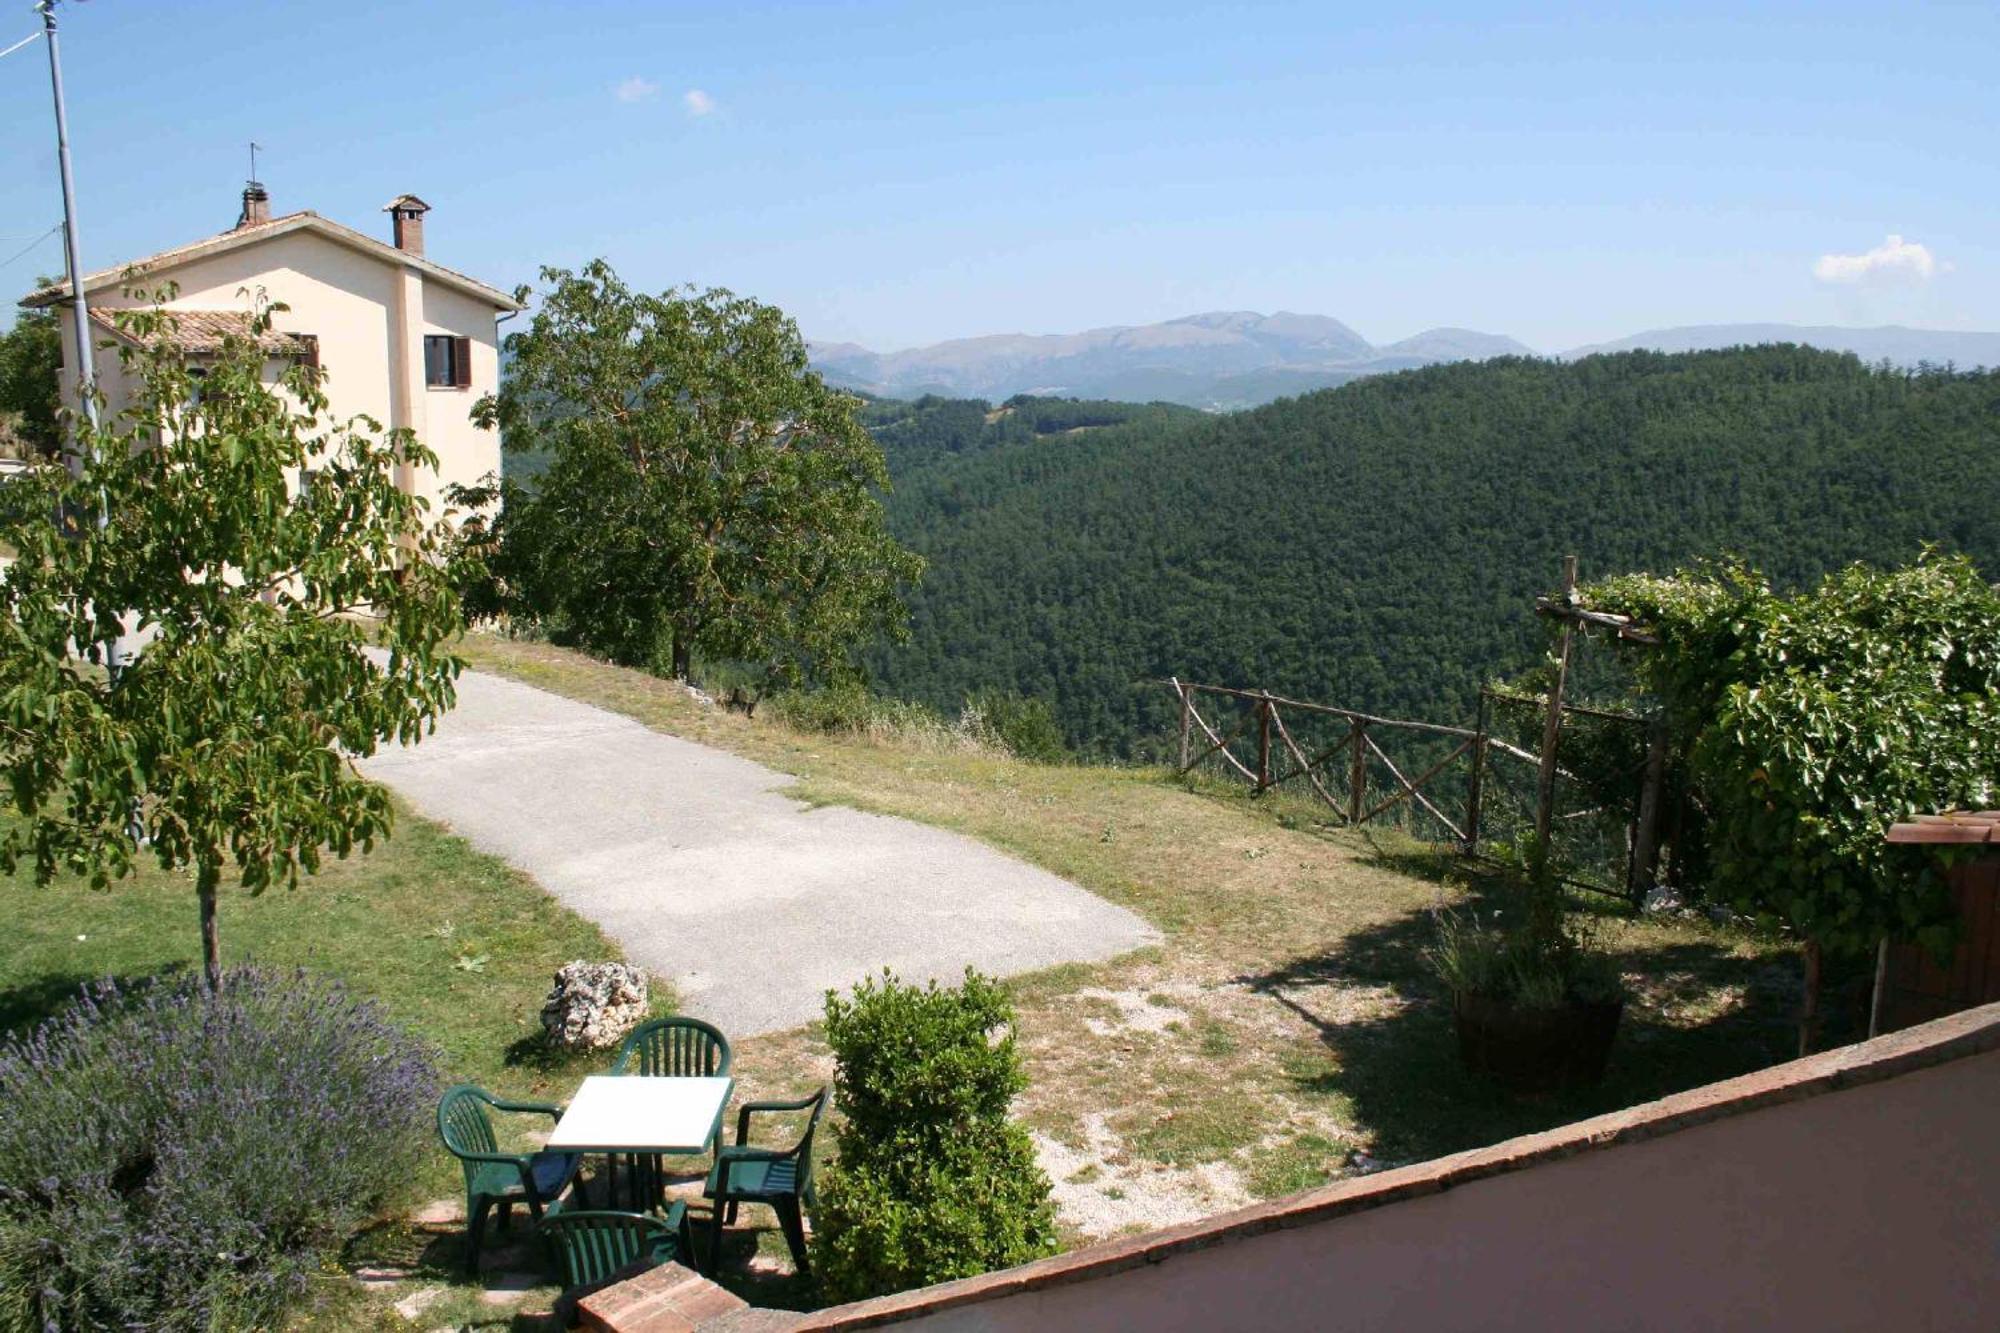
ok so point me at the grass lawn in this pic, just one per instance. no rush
(1287, 1030)
(457, 946)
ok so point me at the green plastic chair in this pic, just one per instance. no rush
(677, 1047)
(497, 1179)
(674, 1048)
(593, 1245)
(780, 1178)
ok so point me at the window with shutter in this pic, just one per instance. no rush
(438, 372)
(447, 361)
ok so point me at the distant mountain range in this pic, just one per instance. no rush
(1887, 342)
(1234, 359)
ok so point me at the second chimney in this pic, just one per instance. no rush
(406, 222)
(256, 205)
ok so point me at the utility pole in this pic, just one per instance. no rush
(86, 368)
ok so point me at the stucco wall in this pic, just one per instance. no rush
(350, 301)
(1856, 1190)
(465, 452)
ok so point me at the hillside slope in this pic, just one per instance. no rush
(1379, 544)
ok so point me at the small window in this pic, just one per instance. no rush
(447, 361)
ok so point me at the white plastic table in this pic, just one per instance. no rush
(635, 1113)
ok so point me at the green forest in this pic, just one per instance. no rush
(927, 430)
(1379, 545)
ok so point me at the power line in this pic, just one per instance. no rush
(18, 45)
(23, 251)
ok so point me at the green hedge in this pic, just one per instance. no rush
(933, 1182)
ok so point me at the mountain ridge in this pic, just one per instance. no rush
(1228, 359)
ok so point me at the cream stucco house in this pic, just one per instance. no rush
(397, 336)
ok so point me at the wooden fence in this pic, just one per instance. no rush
(1338, 757)
(1279, 758)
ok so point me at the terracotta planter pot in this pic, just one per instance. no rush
(1536, 1050)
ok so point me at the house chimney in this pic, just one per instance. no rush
(256, 205)
(406, 222)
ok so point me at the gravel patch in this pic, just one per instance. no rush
(1101, 1191)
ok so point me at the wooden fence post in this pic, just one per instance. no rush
(1478, 776)
(1263, 741)
(1357, 774)
(1545, 793)
(1646, 837)
(1187, 720)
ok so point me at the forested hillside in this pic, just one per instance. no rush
(930, 429)
(1379, 545)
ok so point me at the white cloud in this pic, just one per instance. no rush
(636, 89)
(1895, 258)
(697, 102)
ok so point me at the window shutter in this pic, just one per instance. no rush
(311, 357)
(462, 362)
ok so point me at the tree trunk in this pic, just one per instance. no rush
(681, 663)
(1809, 1010)
(206, 880)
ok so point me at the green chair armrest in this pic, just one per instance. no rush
(743, 1114)
(544, 1108)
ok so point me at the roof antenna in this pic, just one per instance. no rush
(253, 164)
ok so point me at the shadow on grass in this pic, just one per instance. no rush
(535, 1052)
(755, 1263)
(25, 1004)
(1703, 1012)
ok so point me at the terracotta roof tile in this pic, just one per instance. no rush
(198, 331)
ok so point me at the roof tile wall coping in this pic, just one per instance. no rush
(1973, 1032)
(664, 1298)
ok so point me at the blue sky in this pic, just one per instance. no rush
(896, 174)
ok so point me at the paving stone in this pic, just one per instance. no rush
(417, 1302)
(509, 1288)
(440, 1210)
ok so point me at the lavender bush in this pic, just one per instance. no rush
(175, 1159)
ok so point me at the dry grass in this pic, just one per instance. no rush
(1286, 1030)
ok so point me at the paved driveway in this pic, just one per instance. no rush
(700, 866)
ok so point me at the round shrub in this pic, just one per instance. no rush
(932, 1182)
(174, 1159)
(889, 1223)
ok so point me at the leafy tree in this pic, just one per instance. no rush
(227, 742)
(705, 492)
(1810, 722)
(30, 392)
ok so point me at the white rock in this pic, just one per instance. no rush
(593, 1005)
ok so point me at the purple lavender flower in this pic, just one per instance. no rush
(172, 1159)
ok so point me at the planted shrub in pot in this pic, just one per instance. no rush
(1536, 1004)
